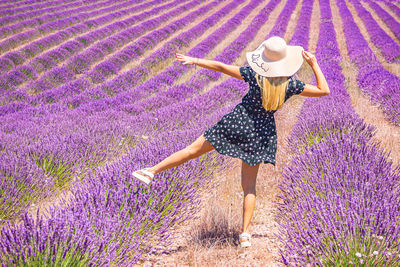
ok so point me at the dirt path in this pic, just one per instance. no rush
(221, 209)
(387, 133)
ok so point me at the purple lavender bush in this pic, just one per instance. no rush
(89, 138)
(340, 191)
(101, 247)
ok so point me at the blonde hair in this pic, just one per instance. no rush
(273, 91)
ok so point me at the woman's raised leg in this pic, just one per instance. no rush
(249, 176)
(194, 150)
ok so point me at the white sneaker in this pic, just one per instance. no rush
(142, 178)
(245, 239)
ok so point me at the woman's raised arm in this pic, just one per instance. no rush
(322, 88)
(210, 64)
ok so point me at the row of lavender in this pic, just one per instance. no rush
(66, 92)
(50, 60)
(391, 22)
(144, 41)
(390, 49)
(25, 12)
(109, 200)
(81, 63)
(56, 140)
(13, 10)
(9, 61)
(32, 14)
(341, 193)
(392, 6)
(382, 86)
(6, 4)
(372, 75)
(48, 23)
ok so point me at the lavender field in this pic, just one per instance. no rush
(91, 90)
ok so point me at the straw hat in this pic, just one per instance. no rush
(275, 58)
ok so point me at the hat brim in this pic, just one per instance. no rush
(287, 66)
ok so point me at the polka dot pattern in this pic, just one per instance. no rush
(248, 132)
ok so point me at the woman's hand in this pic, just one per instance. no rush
(185, 59)
(322, 87)
(310, 58)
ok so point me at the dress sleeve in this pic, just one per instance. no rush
(299, 87)
(245, 72)
(295, 87)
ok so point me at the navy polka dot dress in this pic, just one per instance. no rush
(248, 132)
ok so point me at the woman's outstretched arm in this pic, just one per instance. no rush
(210, 64)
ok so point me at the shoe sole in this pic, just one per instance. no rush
(141, 178)
(245, 244)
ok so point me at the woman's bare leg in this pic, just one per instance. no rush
(249, 175)
(194, 150)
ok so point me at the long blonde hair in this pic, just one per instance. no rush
(273, 91)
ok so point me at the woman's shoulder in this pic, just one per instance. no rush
(294, 81)
(295, 86)
(247, 73)
(251, 70)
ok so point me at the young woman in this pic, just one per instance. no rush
(248, 132)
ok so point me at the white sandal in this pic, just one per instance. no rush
(142, 178)
(245, 239)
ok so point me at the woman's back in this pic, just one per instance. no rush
(253, 100)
